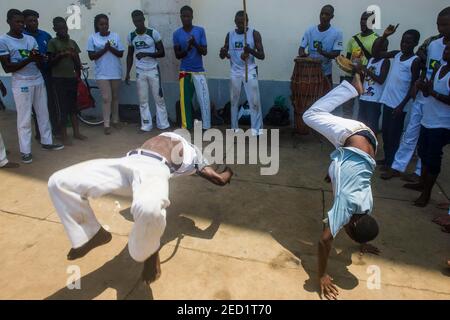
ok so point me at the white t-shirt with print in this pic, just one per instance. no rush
(19, 50)
(109, 66)
(145, 43)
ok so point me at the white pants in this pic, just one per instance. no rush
(149, 180)
(252, 91)
(336, 129)
(3, 159)
(202, 93)
(144, 80)
(409, 141)
(26, 98)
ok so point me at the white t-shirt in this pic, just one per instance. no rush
(330, 40)
(145, 43)
(398, 82)
(372, 89)
(18, 50)
(109, 66)
(193, 160)
(436, 114)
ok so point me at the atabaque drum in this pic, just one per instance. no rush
(308, 84)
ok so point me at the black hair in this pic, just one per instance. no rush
(329, 6)
(413, 33)
(30, 13)
(186, 8)
(13, 12)
(367, 14)
(445, 12)
(97, 20)
(365, 229)
(57, 20)
(240, 14)
(137, 13)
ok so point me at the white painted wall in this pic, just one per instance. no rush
(281, 23)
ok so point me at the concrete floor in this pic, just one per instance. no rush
(254, 239)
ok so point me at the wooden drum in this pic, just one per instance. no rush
(308, 84)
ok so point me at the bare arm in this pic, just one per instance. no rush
(202, 50)
(179, 53)
(220, 179)
(10, 67)
(384, 72)
(301, 52)
(160, 52)
(330, 55)
(258, 52)
(438, 96)
(226, 47)
(116, 52)
(130, 60)
(97, 55)
(328, 289)
(3, 89)
(415, 70)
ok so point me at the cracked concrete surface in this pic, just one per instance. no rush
(254, 239)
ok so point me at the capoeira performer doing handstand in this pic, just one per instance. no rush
(147, 172)
(350, 172)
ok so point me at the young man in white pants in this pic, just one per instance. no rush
(19, 55)
(350, 172)
(190, 45)
(146, 171)
(146, 44)
(432, 56)
(238, 53)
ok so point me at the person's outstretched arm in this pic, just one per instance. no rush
(327, 288)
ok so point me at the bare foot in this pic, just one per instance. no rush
(10, 165)
(152, 269)
(414, 186)
(423, 201)
(357, 83)
(389, 174)
(443, 206)
(412, 178)
(79, 137)
(443, 221)
(101, 238)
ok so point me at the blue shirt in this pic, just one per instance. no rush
(330, 40)
(351, 173)
(42, 38)
(193, 62)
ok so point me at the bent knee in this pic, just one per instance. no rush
(54, 182)
(147, 211)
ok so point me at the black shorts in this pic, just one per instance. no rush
(65, 92)
(431, 145)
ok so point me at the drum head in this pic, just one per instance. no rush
(345, 64)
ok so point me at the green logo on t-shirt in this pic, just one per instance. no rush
(239, 45)
(24, 53)
(317, 44)
(141, 45)
(433, 64)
